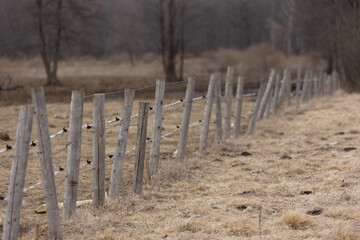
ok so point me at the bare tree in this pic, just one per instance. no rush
(58, 21)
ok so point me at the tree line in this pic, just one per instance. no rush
(56, 29)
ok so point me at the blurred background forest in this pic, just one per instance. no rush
(58, 41)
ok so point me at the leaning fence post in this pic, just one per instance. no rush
(219, 130)
(207, 113)
(268, 105)
(276, 93)
(184, 129)
(120, 150)
(99, 150)
(298, 85)
(266, 94)
(74, 152)
(282, 89)
(47, 169)
(156, 127)
(254, 115)
(17, 178)
(140, 148)
(228, 101)
(238, 106)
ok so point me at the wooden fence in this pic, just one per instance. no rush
(271, 96)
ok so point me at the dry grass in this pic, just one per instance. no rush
(218, 194)
(297, 220)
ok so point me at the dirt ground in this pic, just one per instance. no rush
(297, 177)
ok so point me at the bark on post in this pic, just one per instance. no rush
(228, 101)
(305, 87)
(140, 148)
(99, 150)
(238, 106)
(184, 130)
(47, 169)
(283, 89)
(207, 113)
(268, 106)
(156, 127)
(253, 119)
(74, 153)
(298, 86)
(266, 94)
(17, 177)
(120, 150)
(276, 93)
(289, 87)
(219, 130)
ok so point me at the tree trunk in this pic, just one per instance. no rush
(182, 41)
(171, 67)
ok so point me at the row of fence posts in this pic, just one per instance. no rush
(274, 92)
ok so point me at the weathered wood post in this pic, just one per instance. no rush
(276, 93)
(254, 115)
(207, 113)
(282, 92)
(298, 86)
(120, 150)
(184, 129)
(228, 101)
(328, 85)
(156, 127)
(74, 153)
(140, 148)
(17, 177)
(288, 87)
(266, 94)
(268, 105)
(219, 127)
(47, 169)
(316, 85)
(305, 87)
(321, 84)
(238, 106)
(309, 94)
(99, 150)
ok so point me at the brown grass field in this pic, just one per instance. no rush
(298, 183)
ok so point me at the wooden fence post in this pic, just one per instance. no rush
(219, 127)
(276, 93)
(268, 105)
(156, 127)
(309, 94)
(282, 92)
(316, 85)
(305, 87)
(74, 153)
(228, 101)
(238, 106)
(99, 150)
(120, 150)
(140, 148)
(253, 119)
(17, 177)
(207, 113)
(190, 88)
(266, 94)
(288, 87)
(298, 86)
(47, 169)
